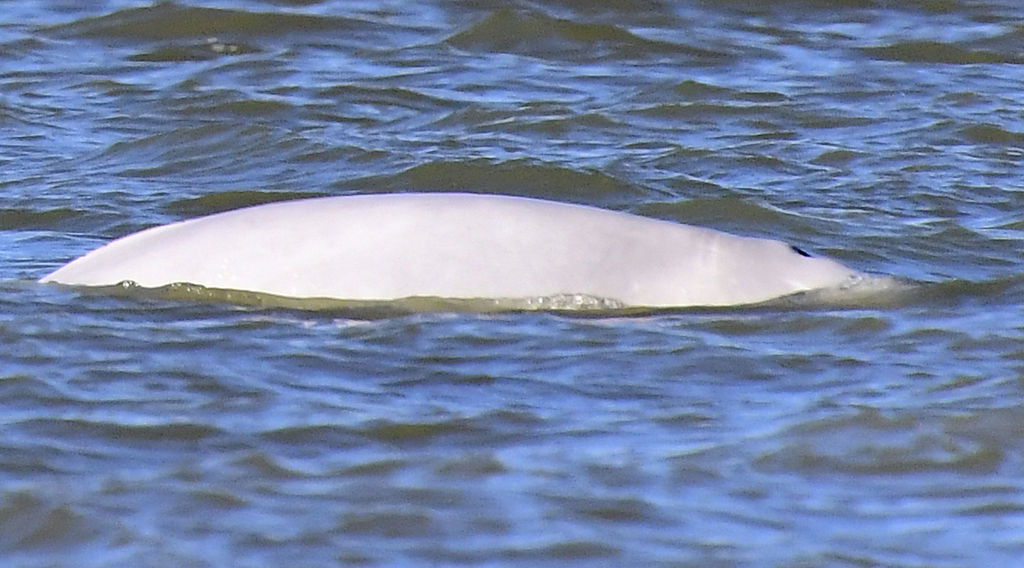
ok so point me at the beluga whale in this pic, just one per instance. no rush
(388, 247)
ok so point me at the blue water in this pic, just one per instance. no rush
(154, 430)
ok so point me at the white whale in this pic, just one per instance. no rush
(459, 246)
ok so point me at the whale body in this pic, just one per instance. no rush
(459, 246)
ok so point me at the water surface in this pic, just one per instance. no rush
(153, 431)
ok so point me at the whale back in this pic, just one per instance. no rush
(386, 247)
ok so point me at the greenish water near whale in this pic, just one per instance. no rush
(170, 430)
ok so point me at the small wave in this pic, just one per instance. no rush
(216, 202)
(211, 48)
(512, 177)
(986, 133)
(871, 443)
(20, 218)
(169, 21)
(532, 33)
(726, 213)
(209, 149)
(937, 52)
(130, 434)
(379, 97)
(28, 522)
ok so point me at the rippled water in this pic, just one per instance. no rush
(150, 431)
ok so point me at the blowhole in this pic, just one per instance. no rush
(800, 251)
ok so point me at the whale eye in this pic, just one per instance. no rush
(800, 251)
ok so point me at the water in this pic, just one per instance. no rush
(150, 431)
